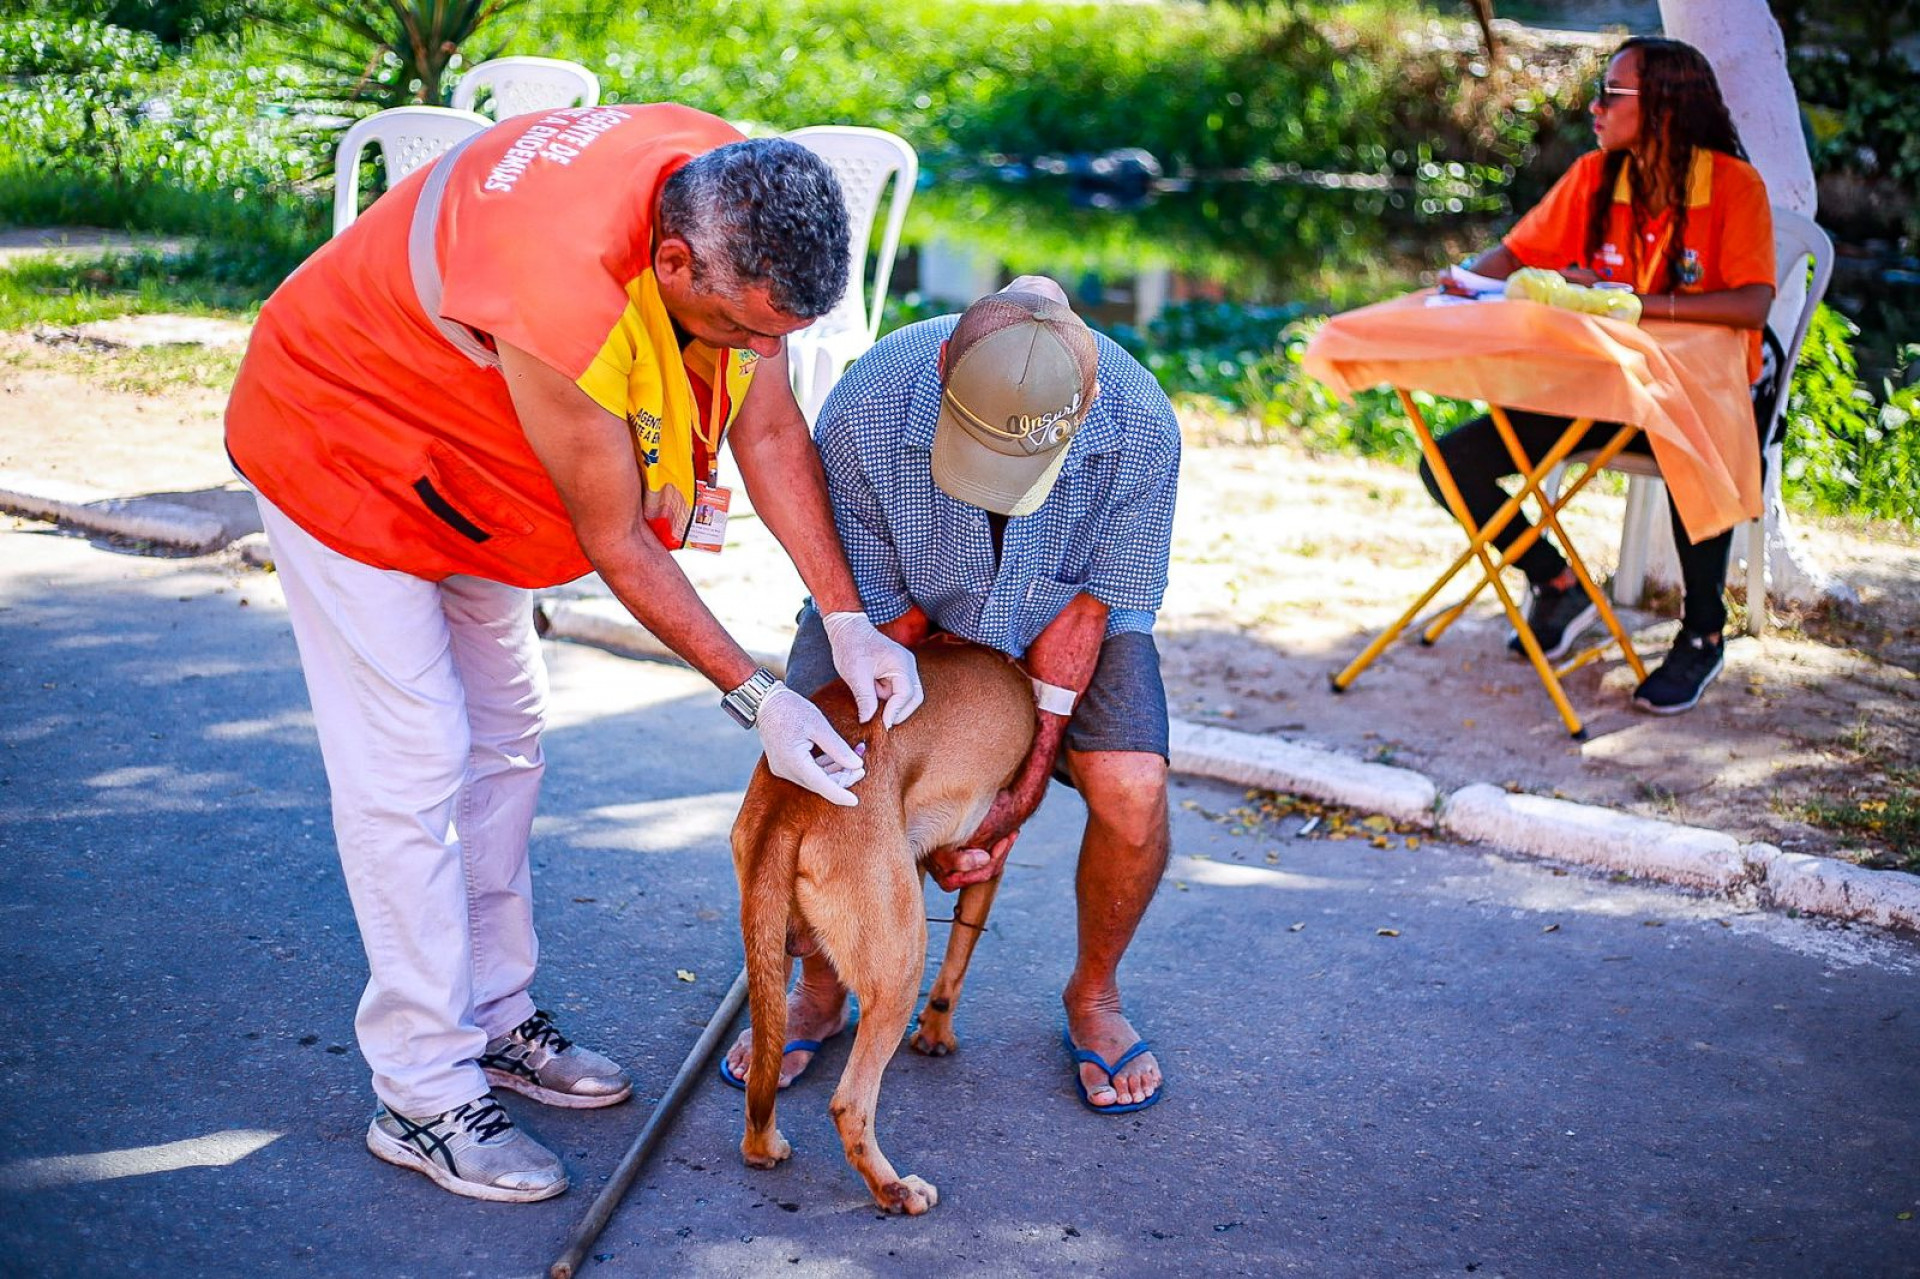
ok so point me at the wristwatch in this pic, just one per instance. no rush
(743, 703)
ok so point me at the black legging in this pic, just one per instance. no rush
(1479, 461)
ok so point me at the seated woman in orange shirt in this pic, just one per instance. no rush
(1669, 206)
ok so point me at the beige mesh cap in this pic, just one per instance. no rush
(1020, 376)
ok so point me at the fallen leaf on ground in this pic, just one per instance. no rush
(683, 974)
(1551, 928)
(1294, 928)
(1386, 932)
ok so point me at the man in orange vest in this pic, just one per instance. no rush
(515, 368)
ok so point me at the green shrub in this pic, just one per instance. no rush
(50, 47)
(99, 127)
(172, 21)
(1845, 453)
(1206, 88)
(393, 52)
(1247, 360)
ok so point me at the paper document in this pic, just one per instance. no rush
(1478, 286)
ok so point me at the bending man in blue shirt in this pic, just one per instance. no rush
(1008, 476)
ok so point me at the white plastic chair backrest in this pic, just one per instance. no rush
(1796, 238)
(408, 137)
(520, 85)
(864, 160)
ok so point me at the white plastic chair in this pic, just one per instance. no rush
(408, 137)
(1796, 239)
(864, 160)
(520, 85)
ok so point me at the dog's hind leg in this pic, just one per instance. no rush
(934, 1035)
(765, 859)
(883, 970)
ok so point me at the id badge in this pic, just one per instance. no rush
(708, 532)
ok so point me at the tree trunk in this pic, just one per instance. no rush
(1743, 42)
(1749, 56)
(1483, 16)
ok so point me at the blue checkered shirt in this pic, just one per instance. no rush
(1103, 530)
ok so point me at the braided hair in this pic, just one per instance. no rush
(1680, 109)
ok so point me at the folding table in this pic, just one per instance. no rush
(1683, 384)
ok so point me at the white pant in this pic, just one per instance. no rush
(429, 698)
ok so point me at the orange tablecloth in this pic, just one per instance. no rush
(1685, 385)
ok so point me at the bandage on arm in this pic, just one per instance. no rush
(1053, 699)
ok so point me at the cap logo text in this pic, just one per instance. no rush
(1045, 430)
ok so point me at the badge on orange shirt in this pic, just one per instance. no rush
(708, 531)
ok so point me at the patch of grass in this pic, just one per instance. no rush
(154, 370)
(64, 290)
(1888, 815)
(1657, 796)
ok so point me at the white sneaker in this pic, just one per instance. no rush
(534, 1058)
(472, 1150)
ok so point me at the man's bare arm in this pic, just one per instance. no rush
(910, 629)
(1064, 655)
(588, 453)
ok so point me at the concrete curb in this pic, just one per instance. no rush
(1247, 759)
(1839, 890)
(1532, 825)
(605, 624)
(1600, 837)
(144, 519)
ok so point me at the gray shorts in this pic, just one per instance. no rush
(1123, 709)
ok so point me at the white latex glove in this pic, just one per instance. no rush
(872, 663)
(791, 729)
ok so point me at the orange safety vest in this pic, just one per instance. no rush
(374, 414)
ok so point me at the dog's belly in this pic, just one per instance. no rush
(941, 825)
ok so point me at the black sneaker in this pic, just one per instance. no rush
(1557, 618)
(1691, 665)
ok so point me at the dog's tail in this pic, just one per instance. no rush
(765, 907)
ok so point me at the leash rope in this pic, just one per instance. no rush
(956, 921)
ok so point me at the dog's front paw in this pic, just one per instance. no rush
(909, 1195)
(934, 1035)
(765, 1152)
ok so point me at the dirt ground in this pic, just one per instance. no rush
(1285, 564)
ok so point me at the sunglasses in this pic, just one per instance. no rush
(1606, 94)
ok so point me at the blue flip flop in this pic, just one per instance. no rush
(793, 1046)
(1095, 1059)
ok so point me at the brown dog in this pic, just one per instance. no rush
(849, 878)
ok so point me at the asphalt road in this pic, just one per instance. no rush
(1541, 1074)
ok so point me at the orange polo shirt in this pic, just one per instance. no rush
(1728, 242)
(355, 415)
